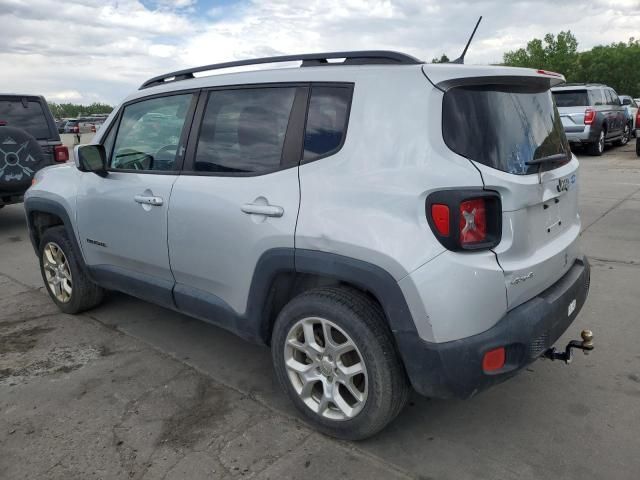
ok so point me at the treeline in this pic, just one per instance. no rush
(616, 65)
(72, 110)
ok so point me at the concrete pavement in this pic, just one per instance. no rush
(134, 390)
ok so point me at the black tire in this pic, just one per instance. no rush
(626, 135)
(597, 148)
(85, 294)
(638, 146)
(364, 322)
(20, 157)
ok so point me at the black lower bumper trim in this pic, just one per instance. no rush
(454, 369)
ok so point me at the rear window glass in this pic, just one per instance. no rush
(326, 121)
(571, 98)
(504, 127)
(28, 116)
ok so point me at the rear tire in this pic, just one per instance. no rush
(63, 274)
(597, 148)
(357, 323)
(638, 147)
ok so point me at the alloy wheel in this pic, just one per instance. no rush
(326, 368)
(601, 142)
(57, 272)
(625, 135)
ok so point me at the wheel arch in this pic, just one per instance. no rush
(282, 274)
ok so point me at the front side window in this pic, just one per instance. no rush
(27, 115)
(148, 137)
(614, 98)
(243, 130)
(326, 121)
(504, 127)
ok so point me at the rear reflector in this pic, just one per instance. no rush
(440, 216)
(61, 153)
(494, 359)
(589, 116)
(473, 221)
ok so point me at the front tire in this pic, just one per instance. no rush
(626, 134)
(63, 274)
(335, 357)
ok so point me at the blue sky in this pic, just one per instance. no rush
(100, 50)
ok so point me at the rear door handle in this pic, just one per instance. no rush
(148, 200)
(267, 210)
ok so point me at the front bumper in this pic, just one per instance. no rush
(454, 369)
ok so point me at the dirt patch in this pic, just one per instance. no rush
(189, 425)
(21, 341)
(58, 360)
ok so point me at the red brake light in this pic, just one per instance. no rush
(61, 153)
(3, 123)
(494, 359)
(547, 72)
(440, 216)
(638, 119)
(589, 116)
(473, 221)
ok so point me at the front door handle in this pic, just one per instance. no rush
(267, 210)
(148, 200)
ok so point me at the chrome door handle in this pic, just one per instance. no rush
(267, 210)
(148, 200)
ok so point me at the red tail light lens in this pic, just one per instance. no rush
(589, 116)
(61, 153)
(440, 216)
(637, 119)
(473, 221)
(465, 219)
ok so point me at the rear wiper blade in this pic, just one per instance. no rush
(557, 157)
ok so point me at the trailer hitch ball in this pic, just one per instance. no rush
(586, 345)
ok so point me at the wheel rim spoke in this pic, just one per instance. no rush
(57, 272)
(326, 368)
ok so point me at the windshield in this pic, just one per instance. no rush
(571, 98)
(504, 127)
(28, 116)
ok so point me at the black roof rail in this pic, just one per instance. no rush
(367, 57)
(577, 84)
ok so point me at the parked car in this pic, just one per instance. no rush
(358, 230)
(83, 125)
(632, 112)
(592, 116)
(29, 141)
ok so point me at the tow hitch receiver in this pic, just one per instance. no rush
(586, 345)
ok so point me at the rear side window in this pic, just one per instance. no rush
(571, 98)
(504, 127)
(326, 121)
(243, 130)
(27, 115)
(597, 97)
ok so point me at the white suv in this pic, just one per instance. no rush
(380, 222)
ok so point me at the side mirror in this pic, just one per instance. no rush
(91, 158)
(626, 101)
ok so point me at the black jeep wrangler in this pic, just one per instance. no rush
(29, 141)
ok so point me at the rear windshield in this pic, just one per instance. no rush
(571, 98)
(28, 116)
(504, 127)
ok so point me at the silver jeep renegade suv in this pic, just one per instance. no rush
(381, 223)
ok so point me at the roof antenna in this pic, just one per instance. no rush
(460, 59)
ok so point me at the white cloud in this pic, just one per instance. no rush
(102, 49)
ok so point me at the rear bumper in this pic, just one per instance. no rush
(454, 369)
(581, 134)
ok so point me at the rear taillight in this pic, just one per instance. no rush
(638, 119)
(473, 221)
(61, 153)
(465, 219)
(589, 116)
(93, 129)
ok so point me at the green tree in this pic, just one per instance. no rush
(72, 110)
(558, 53)
(443, 59)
